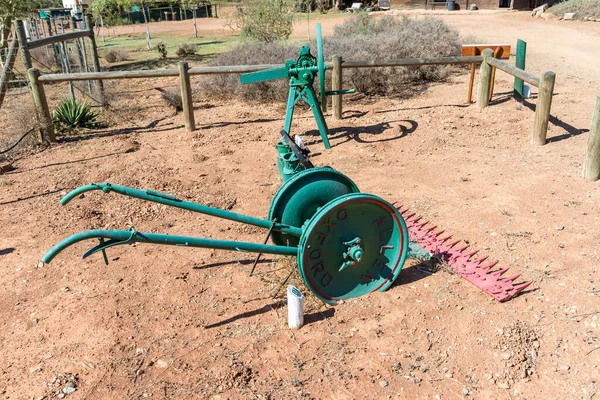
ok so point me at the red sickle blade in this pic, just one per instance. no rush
(501, 289)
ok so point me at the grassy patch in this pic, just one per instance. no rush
(208, 47)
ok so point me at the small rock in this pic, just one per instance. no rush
(503, 385)
(563, 368)
(68, 390)
(465, 391)
(488, 376)
(383, 383)
(559, 227)
(506, 356)
(61, 396)
(36, 368)
(568, 16)
(161, 363)
(40, 264)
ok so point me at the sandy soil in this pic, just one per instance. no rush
(167, 322)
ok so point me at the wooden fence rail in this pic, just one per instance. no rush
(58, 38)
(545, 82)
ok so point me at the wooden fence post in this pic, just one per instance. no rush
(22, 38)
(591, 165)
(41, 106)
(336, 84)
(542, 108)
(186, 96)
(99, 83)
(485, 78)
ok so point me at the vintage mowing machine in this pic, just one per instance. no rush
(347, 243)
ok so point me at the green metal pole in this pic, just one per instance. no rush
(173, 201)
(289, 112)
(520, 63)
(312, 100)
(127, 237)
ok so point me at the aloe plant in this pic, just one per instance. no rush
(72, 114)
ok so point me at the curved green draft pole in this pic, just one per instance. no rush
(132, 236)
(170, 200)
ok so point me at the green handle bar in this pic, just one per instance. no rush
(132, 236)
(173, 201)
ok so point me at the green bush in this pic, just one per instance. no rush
(72, 114)
(583, 9)
(359, 38)
(266, 20)
(186, 49)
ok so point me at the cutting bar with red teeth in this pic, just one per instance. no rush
(461, 260)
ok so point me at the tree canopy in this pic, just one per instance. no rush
(12, 9)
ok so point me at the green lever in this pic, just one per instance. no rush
(170, 200)
(125, 237)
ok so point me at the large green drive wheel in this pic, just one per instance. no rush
(298, 199)
(354, 245)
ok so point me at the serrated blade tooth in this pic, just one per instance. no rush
(486, 268)
(460, 250)
(518, 288)
(451, 245)
(471, 254)
(480, 260)
(438, 233)
(498, 273)
(511, 279)
(429, 230)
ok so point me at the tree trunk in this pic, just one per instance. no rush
(6, 29)
(148, 38)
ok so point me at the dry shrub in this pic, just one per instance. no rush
(172, 97)
(583, 9)
(186, 49)
(362, 38)
(359, 38)
(44, 57)
(228, 86)
(116, 55)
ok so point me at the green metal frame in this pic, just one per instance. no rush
(349, 246)
(301, 74)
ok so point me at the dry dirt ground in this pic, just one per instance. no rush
(168, 322)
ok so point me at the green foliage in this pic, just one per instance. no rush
(266, 20)
(72, 114)
(583, 9)
(108, 9)
(186, 49)
(161, 48)
(13, 9)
